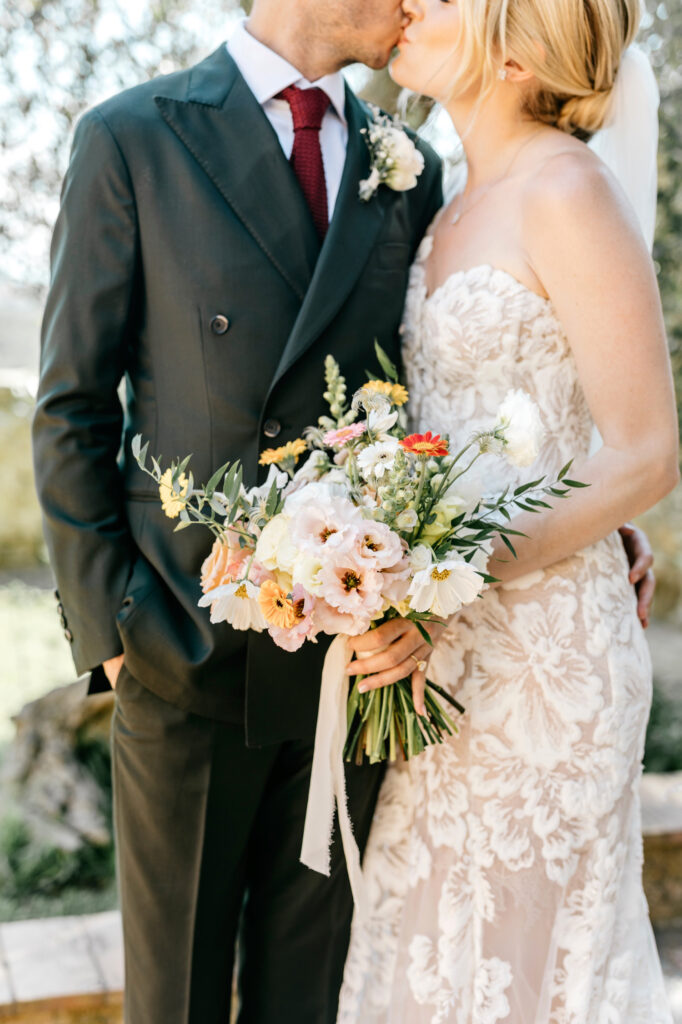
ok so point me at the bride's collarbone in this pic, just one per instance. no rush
(442, 267)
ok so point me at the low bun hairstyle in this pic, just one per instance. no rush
(573, 48)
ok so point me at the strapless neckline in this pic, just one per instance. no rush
(466, 272)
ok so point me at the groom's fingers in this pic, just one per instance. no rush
(645, 596)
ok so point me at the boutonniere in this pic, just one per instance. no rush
(395, 161)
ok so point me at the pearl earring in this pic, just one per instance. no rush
(502, 74)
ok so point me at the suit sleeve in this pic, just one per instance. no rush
(87, 329)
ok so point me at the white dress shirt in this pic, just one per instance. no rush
(266, 74)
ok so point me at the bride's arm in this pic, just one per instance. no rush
(585, 246)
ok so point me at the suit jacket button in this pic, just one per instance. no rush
(271, 428)
(127, 602)
(69, 635)
(220, 324)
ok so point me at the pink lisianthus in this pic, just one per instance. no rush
(258, 574)
(304, 627)
(323, 527)
(332, 622)
(350, 585)
(396, 582)
(377, 545)
(337, 438)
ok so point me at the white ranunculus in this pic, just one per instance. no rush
(407, 162)
(376, 459)
(306, 571)
(420, 558)
(520, 424)
(275, 549)
(237, 604)
(445, 587)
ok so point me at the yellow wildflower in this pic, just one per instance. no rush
(395, 392)
(172, 502)
(290, 450)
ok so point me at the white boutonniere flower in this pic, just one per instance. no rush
(395, 161)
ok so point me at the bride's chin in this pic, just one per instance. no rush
(400, 74)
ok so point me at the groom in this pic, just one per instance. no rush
(210, 251)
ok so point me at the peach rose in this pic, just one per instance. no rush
(225, 563)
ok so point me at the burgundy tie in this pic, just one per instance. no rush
(308, 107)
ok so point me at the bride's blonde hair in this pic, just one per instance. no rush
(573, 48)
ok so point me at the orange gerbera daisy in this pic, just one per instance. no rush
(290, 450)
(427, 445)
(276, 605)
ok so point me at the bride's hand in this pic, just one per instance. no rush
(392, 652)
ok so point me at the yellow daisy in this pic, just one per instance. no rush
(396, 392)
(172, 502)
(290, 450)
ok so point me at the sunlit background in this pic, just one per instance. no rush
(58, 57)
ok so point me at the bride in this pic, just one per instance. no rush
(503, 870)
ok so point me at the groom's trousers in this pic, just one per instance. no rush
(208, 836)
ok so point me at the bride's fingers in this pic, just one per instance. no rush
(387, 658)
(374, 639)
(392, 675)
(418, 691)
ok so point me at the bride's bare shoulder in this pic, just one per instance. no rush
(570, 186)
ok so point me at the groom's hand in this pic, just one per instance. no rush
(392, 652)
(641, 559)
(112, 667)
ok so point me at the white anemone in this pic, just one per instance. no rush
(444, 587)
(237, 604)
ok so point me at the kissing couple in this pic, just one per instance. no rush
(222, 230)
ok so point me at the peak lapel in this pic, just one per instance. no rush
(225, 129)
(352, 233)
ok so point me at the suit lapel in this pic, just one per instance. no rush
(351, 236)
(225, 129)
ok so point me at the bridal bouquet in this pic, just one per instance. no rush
(372, 524)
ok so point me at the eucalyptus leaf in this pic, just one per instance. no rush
(216, 478)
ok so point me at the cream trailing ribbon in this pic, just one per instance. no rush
(328, 780)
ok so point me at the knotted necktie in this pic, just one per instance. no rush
(308, 107)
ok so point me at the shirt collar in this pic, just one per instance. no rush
(266, 73)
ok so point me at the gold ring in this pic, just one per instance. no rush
(421, 665)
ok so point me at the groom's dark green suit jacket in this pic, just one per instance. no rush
(185, 263)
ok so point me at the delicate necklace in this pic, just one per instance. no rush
(463, 207)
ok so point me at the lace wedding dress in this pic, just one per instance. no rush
(503, 869)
